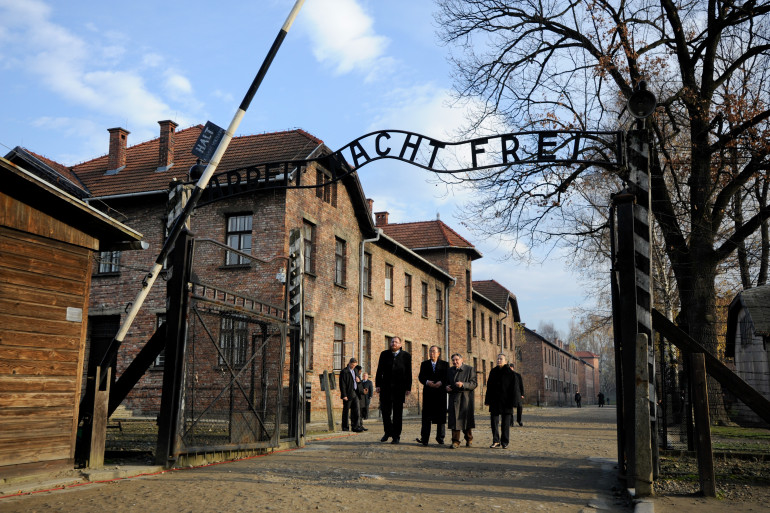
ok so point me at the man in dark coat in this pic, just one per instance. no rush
(365, 397)
(518, 393)
(501, 400)
(461, 383)
(393, 382)
(433, 376)
(349, 395)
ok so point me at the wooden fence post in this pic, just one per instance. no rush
(329, 410)
(702, 427)
(643, 440)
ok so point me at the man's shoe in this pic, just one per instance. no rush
(358, 430)
(440, 442)
(395, 441)
(494, 445)
(468, 443)
(520, 424)
(505, 446)
(384, 438)
(345, 429)
(454, 445)
(419, 441)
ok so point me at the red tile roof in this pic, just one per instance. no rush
(140, 173)
(586, 354)
(426, 234)
(493, 291)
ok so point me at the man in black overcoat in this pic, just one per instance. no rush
(433, 377)
(518, 393)
(349, 395)
(393, 382)
(501, 400)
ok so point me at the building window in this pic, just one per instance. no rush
(233, 341)
(408, 292)
(439, 305)
(308, 235)
(387, 341)
(491, 340)
(505, 340)
(109, 262)
(473, 319)
(425, 351)
(483, 332)
(424, 299)
(339, 343)
(328, 191)
(366, 352)
(160, 360)
(497, 325)
(238, 237)
(309, 331)
(388, 283)
(340, 261)
(408, 346)
(468, 283)
(468, 338)
(367, 277)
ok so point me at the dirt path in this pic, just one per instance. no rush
(561, 461)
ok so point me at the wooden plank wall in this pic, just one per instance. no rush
(41, 349)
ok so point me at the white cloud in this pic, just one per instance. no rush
(342, 34)
(90, 73)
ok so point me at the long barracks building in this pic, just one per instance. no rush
(366, 279)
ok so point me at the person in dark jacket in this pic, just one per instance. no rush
(393, 382)
(349, 395)
(461, 383)
(501, 400)
(433, 376)
(367, 391)
(518, 393)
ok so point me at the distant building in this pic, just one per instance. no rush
(552, 374)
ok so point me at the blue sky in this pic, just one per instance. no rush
(69, 71)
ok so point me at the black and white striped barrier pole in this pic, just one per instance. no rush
(224, 137)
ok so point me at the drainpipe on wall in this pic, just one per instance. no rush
(361, 296)
(446, 317)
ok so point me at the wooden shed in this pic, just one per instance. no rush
(47, 241)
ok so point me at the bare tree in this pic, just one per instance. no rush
(570, 65)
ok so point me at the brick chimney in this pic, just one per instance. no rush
(117, 157)
(370, 203)
(166, 145)
(380, 219)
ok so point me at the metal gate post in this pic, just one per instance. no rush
(173, 369)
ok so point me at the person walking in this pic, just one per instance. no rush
(393, 382)
(349, 395)
(501, 400)
(433, 377)
(461, 383)
(518, 393)
(601, 399)
(578, 398)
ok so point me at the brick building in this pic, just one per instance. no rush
(365, 281)
(552, 374)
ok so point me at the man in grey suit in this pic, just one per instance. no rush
(349, 395)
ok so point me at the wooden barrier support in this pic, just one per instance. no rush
(702, 427)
